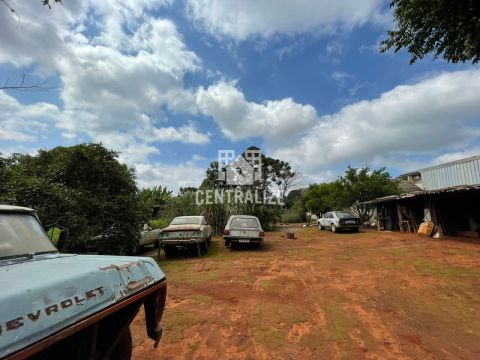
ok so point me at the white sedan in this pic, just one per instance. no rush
(335, 220)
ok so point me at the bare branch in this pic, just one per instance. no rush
(23, 86)
(12, 10)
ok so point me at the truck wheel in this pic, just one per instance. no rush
(204, 246)
(334, 228)
(123, 350)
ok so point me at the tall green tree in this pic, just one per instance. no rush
(351, 191)
(83, 188)
(155, 199)
(446, 28)
(363, 184)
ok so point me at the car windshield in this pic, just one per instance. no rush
(22, 234)
(187, 220)
(244, 223)
(344, 214)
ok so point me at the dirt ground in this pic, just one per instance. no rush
(367, 295)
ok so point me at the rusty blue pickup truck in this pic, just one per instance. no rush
(70, 306)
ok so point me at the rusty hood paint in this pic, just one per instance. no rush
(50, 292)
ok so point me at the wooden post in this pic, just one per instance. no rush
(399, 214)
(434, 215)
(378, 218)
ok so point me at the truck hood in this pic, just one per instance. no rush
(188, 227)
(50, 292)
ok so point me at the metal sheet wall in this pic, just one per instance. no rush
(462, 173)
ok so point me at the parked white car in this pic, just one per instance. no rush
(186, 231)
(244, 229)
(336, 220)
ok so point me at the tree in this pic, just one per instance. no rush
(350, 191)
(83, 188)
(320, 198)
(281, 174)
(444, 27)
(155, 199)
(363, 184)
(22, 85)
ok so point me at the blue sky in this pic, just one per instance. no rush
(169, 83)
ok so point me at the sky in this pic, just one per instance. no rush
(169, 83)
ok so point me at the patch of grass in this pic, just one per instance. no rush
(271, 322)
(201, 299)
(314, 338)
(338, 324)
(177, 320)
(182, 271)
(193, 348)
(267, 285)
(398, 252)
(446, 272)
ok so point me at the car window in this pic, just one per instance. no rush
(244, 223)
(343, 214)
(187, 220)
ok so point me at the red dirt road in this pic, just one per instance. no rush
(366, 295)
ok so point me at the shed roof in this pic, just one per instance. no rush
(451, 189)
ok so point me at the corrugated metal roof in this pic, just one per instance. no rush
(424, 193)
(461, 172)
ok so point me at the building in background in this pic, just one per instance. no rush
(446, 194)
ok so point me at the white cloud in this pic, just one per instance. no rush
(341, 76)
(242, 19)
(115, 81)
(456, 155)
(241, 119)
(171, 176)
(24, 123)
(437, 113)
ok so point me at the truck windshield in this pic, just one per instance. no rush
(22, 234)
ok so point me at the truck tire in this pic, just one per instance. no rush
(123, 350)
(204, 246)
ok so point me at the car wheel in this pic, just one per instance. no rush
(334, 228)
(204, 247)
(227, 243)
(320, 226)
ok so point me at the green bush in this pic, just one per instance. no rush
(159, 223)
